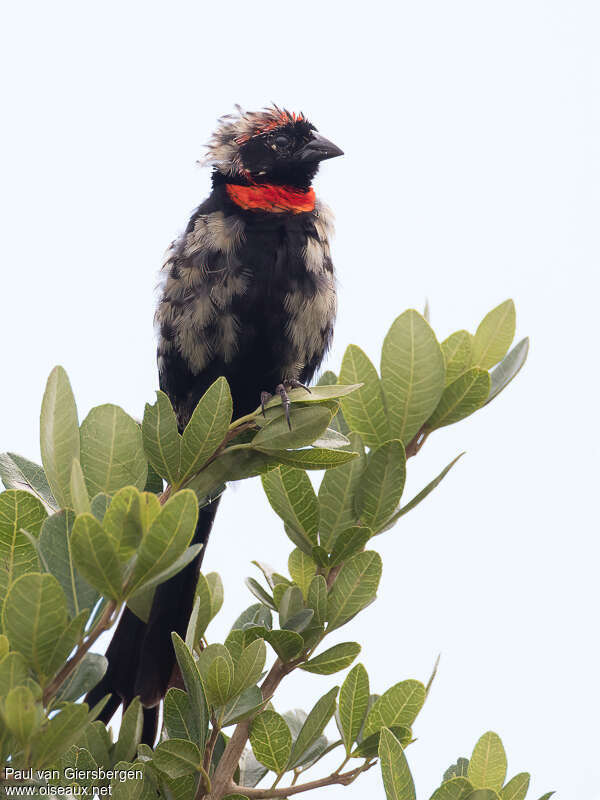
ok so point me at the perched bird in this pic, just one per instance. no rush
(248, 293)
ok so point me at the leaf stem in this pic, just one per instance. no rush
(341, 778)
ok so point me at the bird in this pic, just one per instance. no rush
(247, 292)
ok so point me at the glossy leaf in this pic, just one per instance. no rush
(19, 511)
(461, 398)
(20, 473)
(207, 427)
(364, 409)
(271, 740)
(487, 766)
(313, 726)
(354, 588)
(398, 706)
(353, 704)
(167, 540)
(517, 787)
(293, 498)
(412, 374)
(381, 484)
(508, 368)
(162, 441)
(397, 780)
(112, 453)
(494, 335)
(59, 434)
(336, 495)
(34, 618)
(338, 657)
(458, 353)
(95, 556)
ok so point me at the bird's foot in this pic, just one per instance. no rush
(282, 391)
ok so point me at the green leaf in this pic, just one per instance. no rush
(353, 704)
(162, 441)
(84, 677)
(99, 505)
(193, 686)
(333, 660)
(421, 496)
(287, 644)
(369, 746)
(494, 335)
(458, 353)
(249, 666)
(547, 795)
(13, 672)
(454, 789)
(354, 588)
(123, 521)
(317, 394)
(332, 439)
(397, 780)
(95, 556)
(80, 500)
(483, 794)
(461, 398)
(313, 458)
(271, 741)
(4, 646)
(487, 766)
(398, 706)
(207, 427)
(291, 603)
(21, 713)
(348, 544)
(302, 569)
(56, 553)
(517, 787)
(210, 591)
(234, 464)
(508, 368)
(381, 484)
(19, 473)
(58, 734)
(168, 538)
(308, 423)
(19, 511)
(177, 757)
(219, 680)
(34, 618)
(262, 595)
(130, 732)
(364, 409)
(244, 706)
(59, 434)
(66, 642)
(317, 599)
(112, 452)
(412, 374)
(293, 498)
(179, 721)
(314, 726)
(458, 770)
(336, 495)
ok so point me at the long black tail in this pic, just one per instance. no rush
(141, 656)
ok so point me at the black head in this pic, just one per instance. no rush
(271, 146)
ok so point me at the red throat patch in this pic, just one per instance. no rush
(276, 199)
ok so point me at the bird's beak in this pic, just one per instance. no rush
(318, 149)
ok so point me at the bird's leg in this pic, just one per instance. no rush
(281, 390)
(264, 399)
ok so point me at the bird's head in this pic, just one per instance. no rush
(272, 146)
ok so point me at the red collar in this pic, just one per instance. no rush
(277, 199)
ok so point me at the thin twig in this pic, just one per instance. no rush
(104, 623)
(341, 778)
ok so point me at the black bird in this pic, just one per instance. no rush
(248, 293)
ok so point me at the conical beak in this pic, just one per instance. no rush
(318, 149)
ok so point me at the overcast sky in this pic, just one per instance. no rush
(471, 132)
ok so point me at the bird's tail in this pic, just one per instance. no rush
(140, 656)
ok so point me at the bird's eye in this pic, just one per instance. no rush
(282, 140)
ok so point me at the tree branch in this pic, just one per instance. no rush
(342, 778)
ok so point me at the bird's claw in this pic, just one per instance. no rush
(281, 390)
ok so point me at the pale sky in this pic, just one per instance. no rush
(471, 132)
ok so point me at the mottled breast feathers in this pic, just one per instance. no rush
(247, 295)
